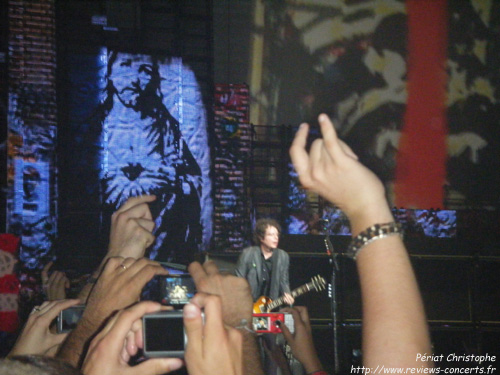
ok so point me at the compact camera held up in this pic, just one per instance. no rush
(163, 334)
(268, 322)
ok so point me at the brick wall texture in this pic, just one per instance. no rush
(32, 60)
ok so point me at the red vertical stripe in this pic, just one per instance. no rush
(421, 159)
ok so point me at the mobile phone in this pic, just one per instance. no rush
(176, 289)
(68, 319)
(267, 322)
(163, 334)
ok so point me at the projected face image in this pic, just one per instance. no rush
(145, 153)
(134, 77)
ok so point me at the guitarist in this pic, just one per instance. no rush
(265, 266)
(266, 269)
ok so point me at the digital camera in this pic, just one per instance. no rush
(163, 334)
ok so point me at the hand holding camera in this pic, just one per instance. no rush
(209, 346)
(163, 334)
(301, 341)
(120, 285)
(236, 305)
(208, 342)
(37, 337)
(234, 291)
(204, 341)
(111, 349)
(212, 347)
(131, 228)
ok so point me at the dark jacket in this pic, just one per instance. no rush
(250, 267)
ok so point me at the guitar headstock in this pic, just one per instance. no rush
(318, 283)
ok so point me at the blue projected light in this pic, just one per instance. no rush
(154, 141)
(31, 204)
(31, 185)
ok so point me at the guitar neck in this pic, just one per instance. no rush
(295, 293)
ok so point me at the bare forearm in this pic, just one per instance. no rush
(85, 292)
(394, 323)
(74, 347)
(251, 357)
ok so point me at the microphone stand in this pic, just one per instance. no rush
(333, 300)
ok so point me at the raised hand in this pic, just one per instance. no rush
(130, 235)
(131, 228)
(332, 170)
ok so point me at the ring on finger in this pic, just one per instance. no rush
(123, 266)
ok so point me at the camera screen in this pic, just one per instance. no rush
(177, 289)
(261, 323)
(163, 334)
